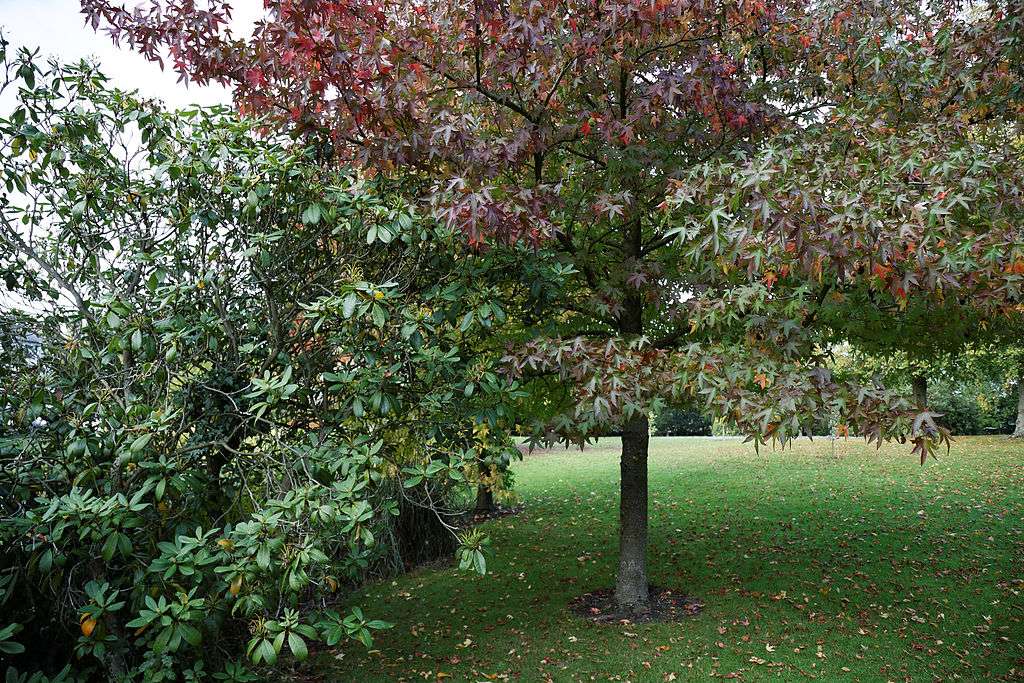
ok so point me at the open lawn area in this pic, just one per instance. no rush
(852, 564)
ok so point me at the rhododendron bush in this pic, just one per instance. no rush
(237, 383)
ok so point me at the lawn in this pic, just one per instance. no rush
(849, 564)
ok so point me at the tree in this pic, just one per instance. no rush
(916, 339)
(245, 369)
(1018, 432)
(718, 181)
(974, 391)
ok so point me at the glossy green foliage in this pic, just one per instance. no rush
(232, 365)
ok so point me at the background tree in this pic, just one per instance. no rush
(1018, 431)
(914, 340)
(974, 391)
(717, 180)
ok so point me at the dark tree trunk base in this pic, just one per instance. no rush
(484, 500)
(420, 537)
(474, 517)
(663, 605)
(919, 384)
(1018, 432)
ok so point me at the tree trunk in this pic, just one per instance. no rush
(920, 384)
(632, 592)
(484, 499)
(631, 588)
(1018, 432)
(484, 494)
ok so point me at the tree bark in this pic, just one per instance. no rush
(484, 499)
(920, 384)
(1018, 432)
(632, 592)
(631, 587)
(484, 494)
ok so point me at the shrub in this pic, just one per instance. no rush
(974, 407)
(250, 367)
(681, 422)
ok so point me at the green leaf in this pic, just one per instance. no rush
(348, 305)
(191, 634)
(141, 621)
(311, 216)
(28, 73)
(297, 646)
(364, 637)
(109, 547)
(480, 562)
(140, 442)
(266, 649)
(263, 556)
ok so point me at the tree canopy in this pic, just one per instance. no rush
(740, 155)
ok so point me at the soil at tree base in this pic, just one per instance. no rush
(665, 605)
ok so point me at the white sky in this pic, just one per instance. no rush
(58, 27)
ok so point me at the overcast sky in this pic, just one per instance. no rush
(58, 27)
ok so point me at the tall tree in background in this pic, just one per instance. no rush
(722, 183)
(1018, 431)
(923, 335)
(973, 391)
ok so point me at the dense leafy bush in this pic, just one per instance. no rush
(970, 407)
(250, 367)
(681, 422)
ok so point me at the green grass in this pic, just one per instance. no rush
(860, 565)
